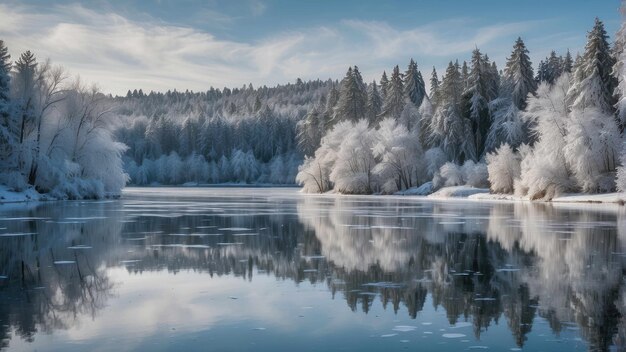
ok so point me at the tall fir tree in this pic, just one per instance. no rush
(374, 104)
(593, 83)
(352, 101)
(414, 88)
(519, 73)
(394, 100)
(384, 84)
(568, 63)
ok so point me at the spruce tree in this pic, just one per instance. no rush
(414, 89)
(374, 104)
(394, 100)
(568, 63)
(352, 97)
(519, 73)
(593, 83)
(384, 84)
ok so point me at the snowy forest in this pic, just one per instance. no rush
(534, 132)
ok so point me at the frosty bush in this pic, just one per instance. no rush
(503, 167)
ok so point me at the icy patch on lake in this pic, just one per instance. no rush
(453, 336)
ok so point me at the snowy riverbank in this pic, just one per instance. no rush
(483, 194)
(28, 195)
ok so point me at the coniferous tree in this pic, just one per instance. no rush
(434, 85)
(352, 101)
(476, 100)
(593, 83)
(394, 99)
(8, 126)
(449, 129)
(414, 89)
(374, 104)
(519, 72)
(568, 63)
(384, 84)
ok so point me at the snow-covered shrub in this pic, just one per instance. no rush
(475, 174)
(503, 167)
(451, 175)
(13, 180)
(435, 158)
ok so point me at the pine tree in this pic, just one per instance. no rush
(26, 69)
(394, 99)
(7, 125)
(374, 104)
(519, 73)
(384, 84)
(479, 93)
(464, 75)
(352, 98)
(434, 86)
(553, 68)
(567, 63)
(414, 89)
(593, 83)
(449, 129)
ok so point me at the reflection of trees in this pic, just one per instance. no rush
(38, 294)
(516, 260)
(479, 263)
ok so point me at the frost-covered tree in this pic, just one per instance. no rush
(374, 104)
(310, 131)
(619, 70)
(449, 128)
(353, 172)
(394, 97)
(621, 171)
(545, 171)
(434, 86)
(314, 173)
(503, 167)
(400, 155)
(352, 101)
(414, 89)
(568, 63)
(507, 125)
(476, 98)
(593, 84)
(8, 124)
(519, 72)
(384, 85)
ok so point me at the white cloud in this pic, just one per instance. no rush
(122, 54)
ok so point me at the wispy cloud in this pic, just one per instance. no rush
(120, 53)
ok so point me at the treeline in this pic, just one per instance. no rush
(55, 133)
(560, 130)
(240, 135)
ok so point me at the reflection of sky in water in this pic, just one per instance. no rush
(186, 270)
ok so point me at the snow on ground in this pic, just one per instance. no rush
(9, 196)
(458, 192)
(565, 198)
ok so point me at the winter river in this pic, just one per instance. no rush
(270, 269)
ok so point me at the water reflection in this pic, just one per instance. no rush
(480, 264)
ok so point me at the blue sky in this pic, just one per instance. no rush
(189, 44)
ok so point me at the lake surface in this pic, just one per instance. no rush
(232, 269)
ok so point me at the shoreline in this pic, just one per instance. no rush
(454, 193)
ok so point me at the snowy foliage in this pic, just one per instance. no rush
(621, 171)
(503, 167)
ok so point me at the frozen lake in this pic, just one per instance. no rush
(270, 269)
